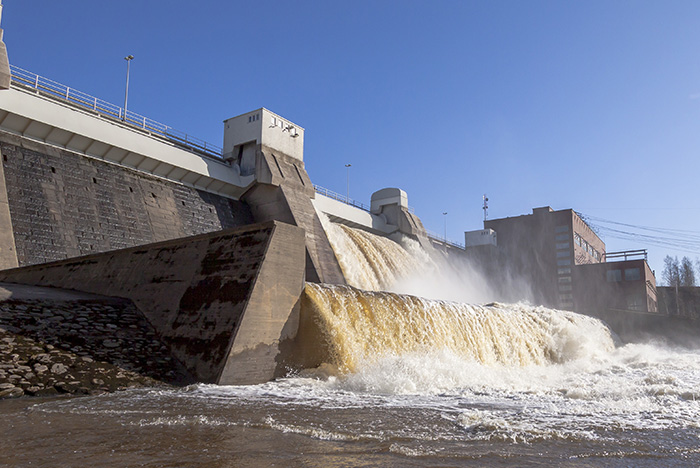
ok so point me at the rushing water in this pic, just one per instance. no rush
(406, 381)
(634, 405)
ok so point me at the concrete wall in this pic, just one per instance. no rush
(63, 205)
(8, 253)
(54, 121)
(284, 192)
(223, 302)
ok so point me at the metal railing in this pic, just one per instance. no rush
(626, 254)
(348, 201)
(341, 198)
(50, 88)
(441, 239)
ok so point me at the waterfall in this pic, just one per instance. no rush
(376, 263)
(372, 262)
(357, 327)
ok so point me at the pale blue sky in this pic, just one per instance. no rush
(591, 105)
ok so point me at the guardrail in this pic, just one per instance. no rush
(341, 198)
(47, 87)
(626, 254)
(441, 239)
(348, 201)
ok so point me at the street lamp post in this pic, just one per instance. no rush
(445, 218)
(347, 189)
(128, 59)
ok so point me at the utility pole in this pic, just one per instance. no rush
(486, 207)
(347, 188)
(445, 232)
(128, 59)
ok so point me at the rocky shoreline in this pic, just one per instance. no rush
(50, 347)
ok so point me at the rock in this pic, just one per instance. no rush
(5, 386)
(66, 388)
(11, 393)
(48, 391)
(59, 369)
(98, 382)
(41, 357)
(87, 359)
(111, 344)
(40, 368)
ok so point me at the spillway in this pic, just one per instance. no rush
(357, 327)
(359, 324)
(373, 262)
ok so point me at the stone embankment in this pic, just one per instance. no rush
(92, 346)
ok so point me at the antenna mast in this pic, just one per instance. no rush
(486, 207)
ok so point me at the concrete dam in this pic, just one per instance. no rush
(213, 246)
(157, 257)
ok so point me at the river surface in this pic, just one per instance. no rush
(634, 406)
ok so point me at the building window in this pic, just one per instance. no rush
(563, 253)
(561, 237)
(561, 229)
(636, 302)
(563, 245)
(577, 239)
(564, 271)
(564, 287)
(565, 279)
(614, 276)
(564, 261)
(632, 274)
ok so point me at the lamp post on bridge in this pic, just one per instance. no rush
(445, 218)
(128, 59)
(347, 189)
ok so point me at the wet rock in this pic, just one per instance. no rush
(47, 391)
(64, 387)
(13, 392)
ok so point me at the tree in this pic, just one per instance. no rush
(687, 273)
(672, 271)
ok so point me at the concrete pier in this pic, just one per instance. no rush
(222, 302)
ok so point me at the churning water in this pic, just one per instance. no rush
(407, 382)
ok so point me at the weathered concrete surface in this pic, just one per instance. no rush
(23, 292)
(284, 192)
(8, 254)
(221, 302)
(64, 205)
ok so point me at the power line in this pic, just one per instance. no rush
(680, 240)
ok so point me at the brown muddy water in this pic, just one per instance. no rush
(634, 406)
